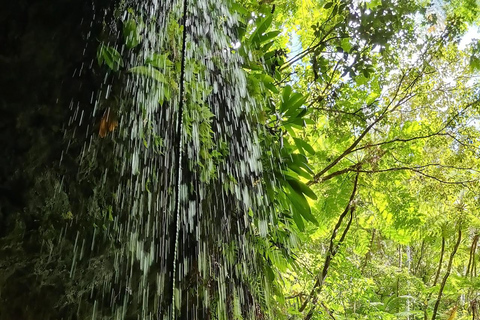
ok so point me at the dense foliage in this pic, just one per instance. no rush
(309, 159)
(385, 207)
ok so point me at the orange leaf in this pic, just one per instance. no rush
(107, 124)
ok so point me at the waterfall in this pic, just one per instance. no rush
(187, 160)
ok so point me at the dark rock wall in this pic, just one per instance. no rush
(43, 45)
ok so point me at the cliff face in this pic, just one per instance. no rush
(44, 45)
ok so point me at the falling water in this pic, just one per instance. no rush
(186, 164)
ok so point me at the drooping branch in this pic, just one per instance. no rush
(332, 251)
(179, 153)
(447, 274)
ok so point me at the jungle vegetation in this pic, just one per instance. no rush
(387, 118)
(346, 186)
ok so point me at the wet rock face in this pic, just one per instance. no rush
(43, 45)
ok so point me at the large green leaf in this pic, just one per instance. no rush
(294, 104)
(297, 218)
(131, 33)
(302, 144)
(300, 187)
(269, 36)
(160, 61)
(150, 72)
(287, 91)
(110, 56)
(262, 26)
(301, 172)
(300, 203)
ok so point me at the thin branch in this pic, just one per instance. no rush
(449, 269)
(324, 273)
(298, 295)
(422, 251)
(471, 259)
(437, 276)
(442, 252)
(418, 170)
(398, 140)
(310, 48)
(415, 168)
(329, 312)
(437, 133)
(321, 96)
(332, 250)
(354, 113)
(468, 146)
(317, 177)
(369, 253)
(355, 167)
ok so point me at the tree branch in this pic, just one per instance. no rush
(405, 98)
(355, 113)
(418, 169)
(310, 48)
(471, 259)
(399, 140)
(449, 269)
(437, 133)
(329, 312)
(355, 167)
(324, 272)
(332, 251)
(442, 252)
(317, 177)
(422, 251)
(437, 276)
